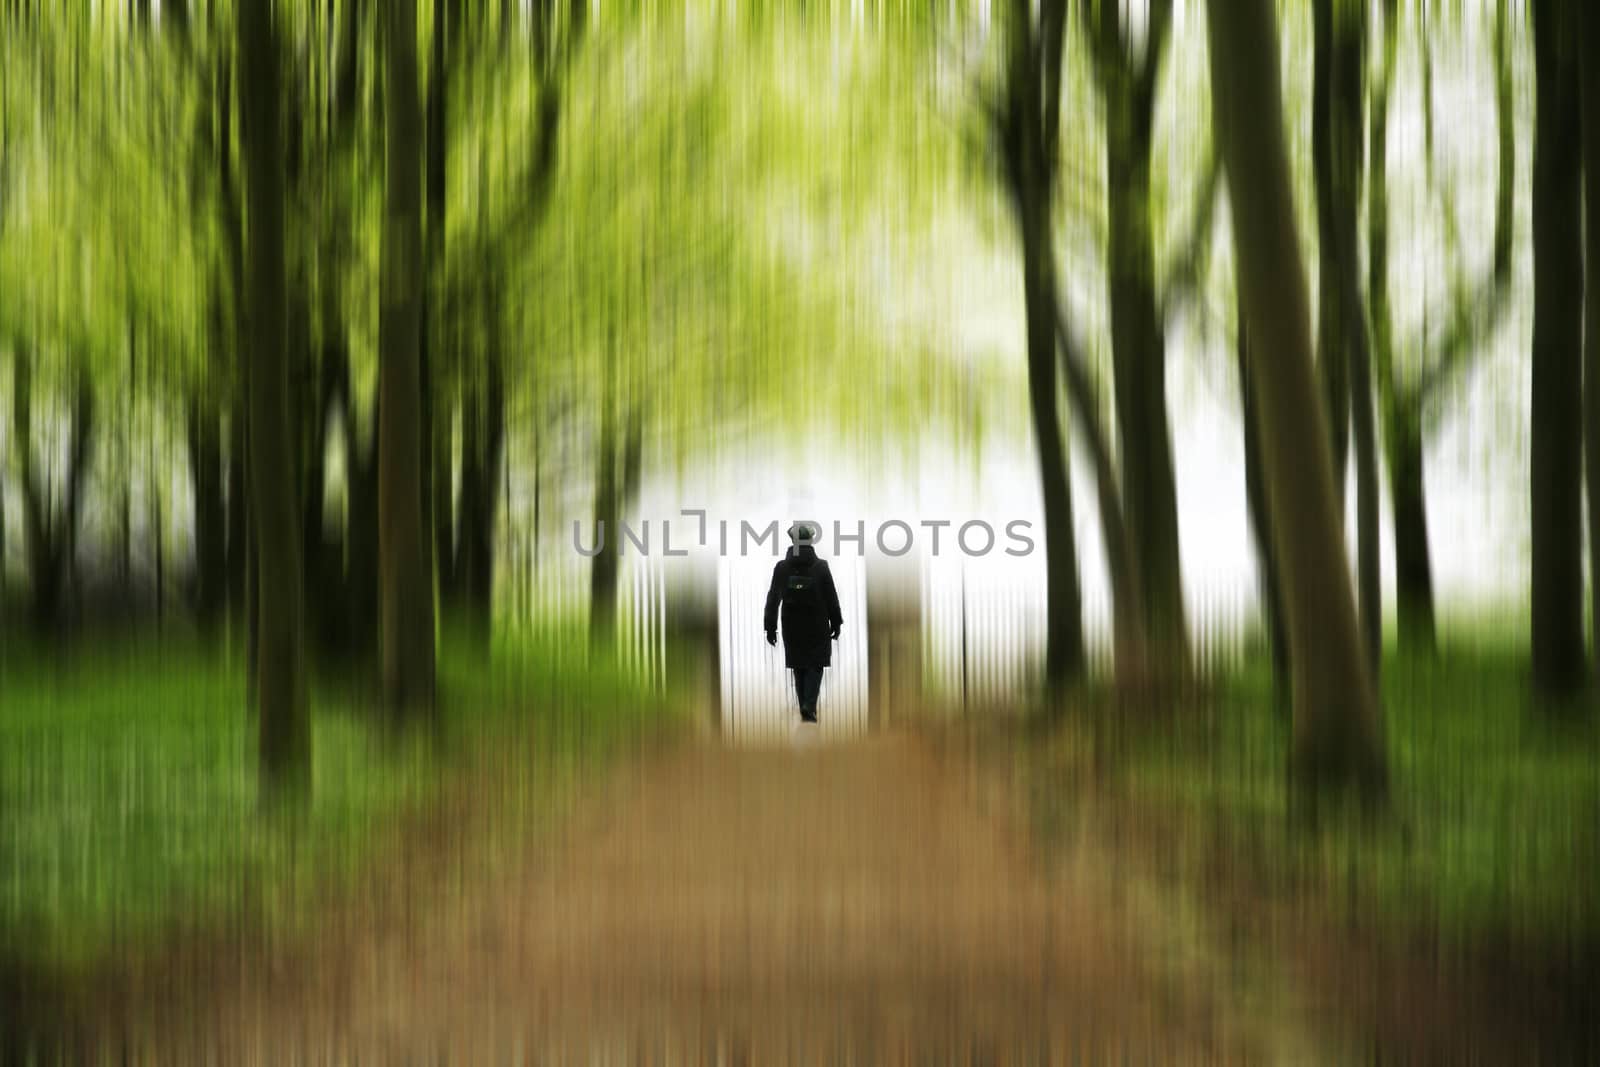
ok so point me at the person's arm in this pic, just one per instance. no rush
(835, 616)
(774, 598)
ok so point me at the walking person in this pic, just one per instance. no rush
(803, 586)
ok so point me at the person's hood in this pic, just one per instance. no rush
(804, 555)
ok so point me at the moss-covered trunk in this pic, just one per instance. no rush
(405, 582)
(280, 679)
(1556, 424)
(1337, 735)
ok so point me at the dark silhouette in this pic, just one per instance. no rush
(802, 583)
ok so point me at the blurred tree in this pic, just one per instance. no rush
(1128, 88)
(1027, 119)
(281, 697)
(1556, 427)
(1337, 737)
(405, 584)
(1338, 97)
(1409, 404)
(1591, 354)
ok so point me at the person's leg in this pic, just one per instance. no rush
(808, 684)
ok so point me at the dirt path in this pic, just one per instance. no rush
(873, 902)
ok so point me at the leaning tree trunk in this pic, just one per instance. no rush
(1337, 735)
(1556, 430)
(1333, 367)
(1260, 520)
(282, 704)
(405, 584)
(1591, 360)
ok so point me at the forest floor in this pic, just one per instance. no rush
(876, 901)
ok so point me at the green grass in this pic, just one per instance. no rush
(1494, 829)
(128, 789)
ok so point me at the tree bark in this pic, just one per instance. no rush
(1556, 430)
(280, 681)
(405, 584)
(1337, 734)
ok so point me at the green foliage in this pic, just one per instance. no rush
(1493, 829)
(128, 801)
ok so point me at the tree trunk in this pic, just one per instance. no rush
(480, 497)
(603, 568)
(1130, 636)
(1413, 565)
(1333, 368)
(405, 584)
(361, 544)
(1591, 356)
(1337, 735)
(204, 440)
(1345, 356)
(1027, 132)
(1260, 520)
(438, 402)
(282, 705)
(1556, 430)
(1138, 345)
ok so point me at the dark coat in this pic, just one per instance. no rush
(803, 585)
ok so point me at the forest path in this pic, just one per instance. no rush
(878, 901)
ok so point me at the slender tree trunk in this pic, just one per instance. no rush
(1556, 430)
(238, 500)
(1130, 640)
(603, 567)
(1413, 566)
(1591, 299)
(1345, 357)
(204, 440)
(1260, 518)
(446, 550)
(1138, 344)
(480, 506)
(1026, 125)
(280, 680)
(405, 584)
(1337, 736)
(440, 413)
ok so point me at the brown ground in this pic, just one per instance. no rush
(875, 902)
